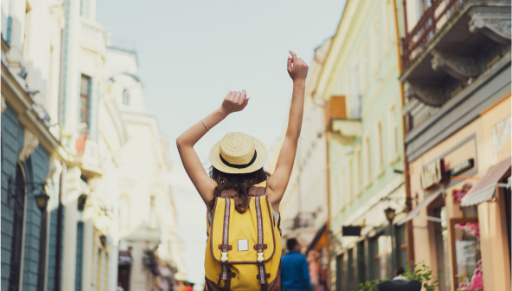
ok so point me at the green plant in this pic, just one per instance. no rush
(368, 285)
(423, 273)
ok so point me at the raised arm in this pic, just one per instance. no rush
(276, 184)
(234, 101)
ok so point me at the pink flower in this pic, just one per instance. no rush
(477, 280)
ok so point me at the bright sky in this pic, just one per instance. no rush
(191, 53)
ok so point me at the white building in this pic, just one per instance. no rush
(147, 215)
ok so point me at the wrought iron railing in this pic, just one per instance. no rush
(429, 24)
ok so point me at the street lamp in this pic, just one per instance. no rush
(42, 200)
(390, 216)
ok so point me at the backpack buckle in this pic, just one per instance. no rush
(260, 257)
(224, 256)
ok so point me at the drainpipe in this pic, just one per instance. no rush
(409, 232)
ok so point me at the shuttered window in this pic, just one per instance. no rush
(79, 255)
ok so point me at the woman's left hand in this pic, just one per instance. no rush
(234, 101)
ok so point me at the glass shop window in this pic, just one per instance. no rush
(466, 256)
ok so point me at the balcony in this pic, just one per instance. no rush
(92, 36)
(343, 128)
(453, 43)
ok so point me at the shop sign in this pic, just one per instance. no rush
(501, 137)
(350, 230)
(125, 258)
(458, 194)
(462, 167)
(432, 174)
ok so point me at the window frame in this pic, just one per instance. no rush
(87, 97)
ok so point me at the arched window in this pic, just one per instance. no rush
(19, 194)
(126, 97)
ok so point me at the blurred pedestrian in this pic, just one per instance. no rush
(399, 274)
(314, 268)
(295, 271)
(119, 287)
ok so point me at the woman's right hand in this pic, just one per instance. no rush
(297, 67)
(234, 101)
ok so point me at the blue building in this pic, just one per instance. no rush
(32, 155)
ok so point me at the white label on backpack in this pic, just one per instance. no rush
(243, 245)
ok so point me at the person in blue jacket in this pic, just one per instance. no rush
(294, 269)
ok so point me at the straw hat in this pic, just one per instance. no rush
(238, 153)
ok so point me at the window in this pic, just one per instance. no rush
(389, 20)
(79, 255)
(152, 210)
(7, 20)
(375, 45)
(348, 91)
(361, 263)
(341, 189)
(368, 159)
(350, 182)
(27, 33)
(85, 95)
(363, 60)
(357, 170)
(18, 229)
(84, 8)
(379, 145)
(352, 271)
(341, 273)
(126, 97)
(401, 246)
(394, 143)
(380, 249)
(355, 98)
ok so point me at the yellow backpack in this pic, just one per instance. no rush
(243, 250)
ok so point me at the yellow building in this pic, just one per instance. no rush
(456, 74)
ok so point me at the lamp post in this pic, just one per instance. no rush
(390, 216)
(42, 203)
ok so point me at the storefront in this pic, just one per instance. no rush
(461, 213)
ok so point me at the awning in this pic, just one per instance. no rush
(320, 239)
(422, 205)
(485, 189)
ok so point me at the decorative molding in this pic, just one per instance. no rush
(494, 25)
(461, 68)
(30, 143)
(55, 168)
(428, 95)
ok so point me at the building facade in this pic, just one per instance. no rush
(359, 84)
(304, 205)
(147, 226)
(456, 74)
(67, 147)
(33, 160)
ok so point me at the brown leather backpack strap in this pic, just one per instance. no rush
(225, 247)
(262, 277)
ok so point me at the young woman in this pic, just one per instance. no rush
(237, 160)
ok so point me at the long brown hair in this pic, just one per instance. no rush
(241, 183)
